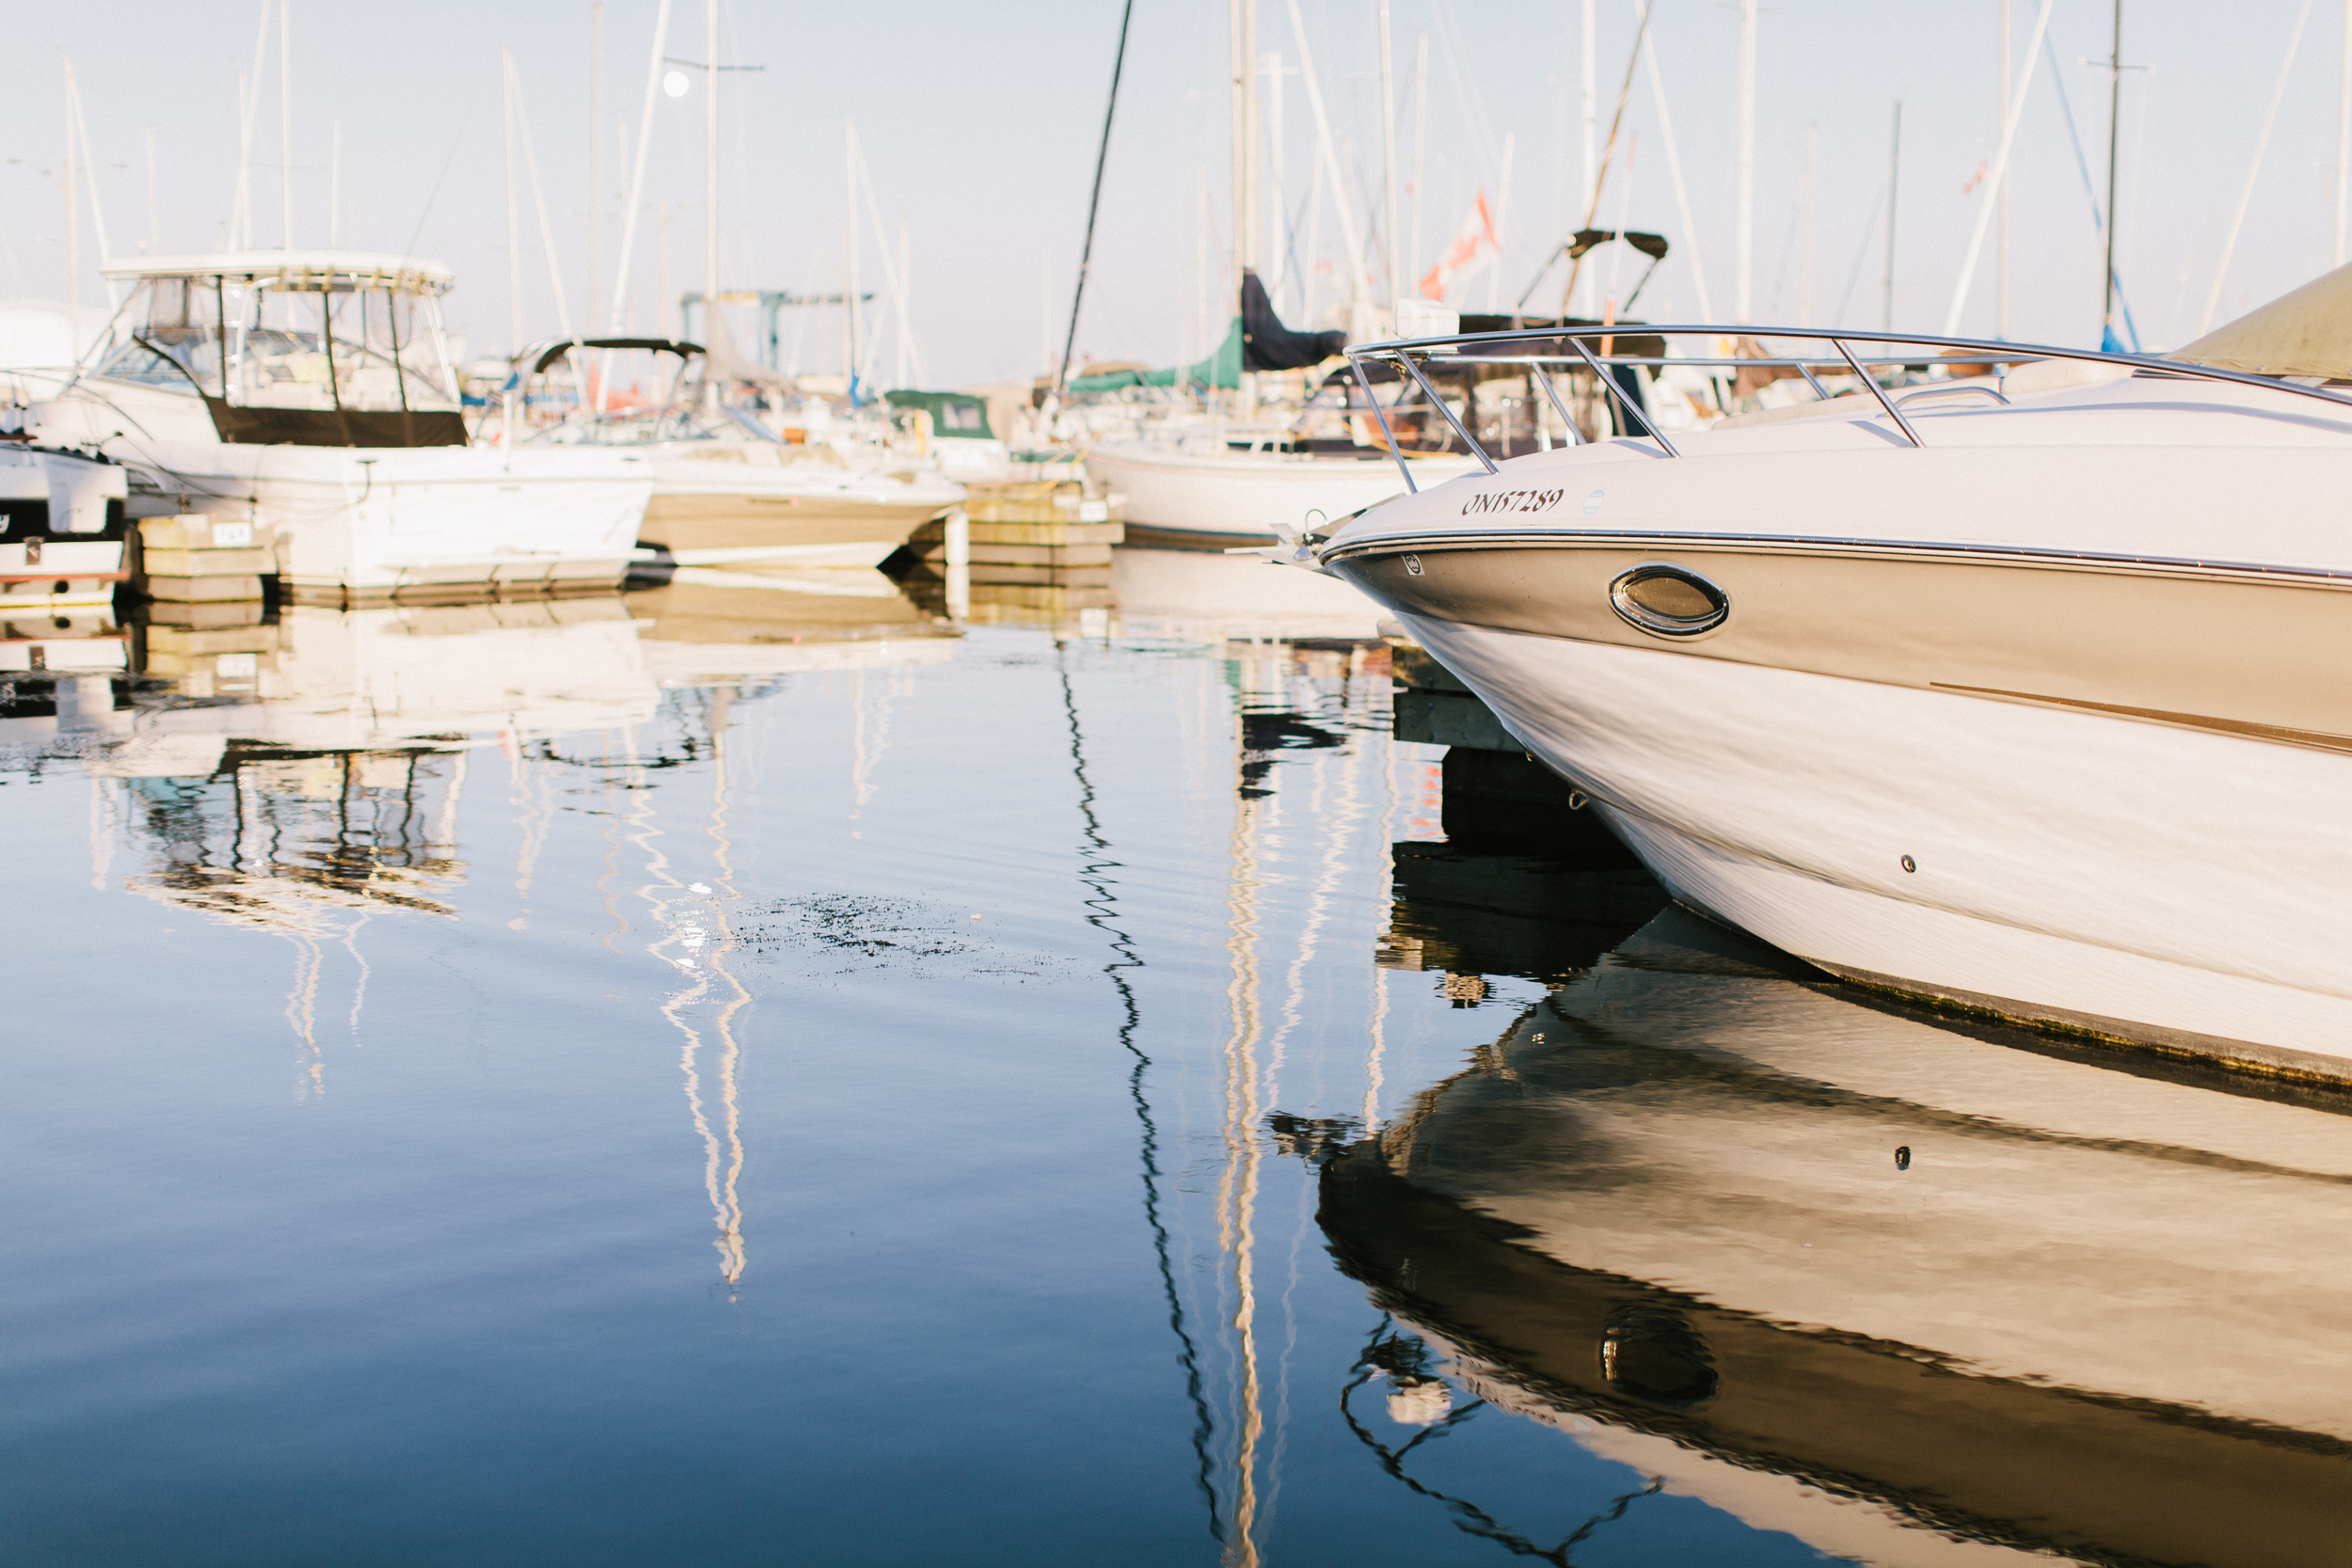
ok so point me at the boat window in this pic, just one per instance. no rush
(297, 344)
(1668, 601)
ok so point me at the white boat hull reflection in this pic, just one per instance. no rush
(1714, 1220)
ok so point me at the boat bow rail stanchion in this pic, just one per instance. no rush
(1545, 349)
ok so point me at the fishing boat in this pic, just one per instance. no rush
(728, 485)
(1791, 1249)
(2013, 691)
(311, 391)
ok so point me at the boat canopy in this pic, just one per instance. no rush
(1221, 369)
(2308, 332)
(314, 348)
(1269, 345)
(346, 268)
(955, 415)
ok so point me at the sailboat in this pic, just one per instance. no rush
(1216, 485)
(311, 391)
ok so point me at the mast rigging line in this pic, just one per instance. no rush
(1094, 204)
(2091, 192)
(2253, 172)
(1640, 36)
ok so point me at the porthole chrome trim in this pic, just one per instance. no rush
(1658, 624)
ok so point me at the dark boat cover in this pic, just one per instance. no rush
(1268, 345)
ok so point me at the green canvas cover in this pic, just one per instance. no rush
(1221, 369)
(955, 415)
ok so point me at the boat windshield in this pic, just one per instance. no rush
(301, 352)
(298, 343)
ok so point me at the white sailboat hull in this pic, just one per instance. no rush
(1248, 498)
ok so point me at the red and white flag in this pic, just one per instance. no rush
(1472, 252)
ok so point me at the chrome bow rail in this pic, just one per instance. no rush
(1480, 350)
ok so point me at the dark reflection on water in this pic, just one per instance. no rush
(622, 1084)
(2077, 1313)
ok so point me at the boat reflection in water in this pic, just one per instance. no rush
(1907, 1288)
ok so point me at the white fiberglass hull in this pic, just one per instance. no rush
(2160, 884)
(380, 522)
(372, 522)
(727, 501)
(1249, 498)
(2043, 716)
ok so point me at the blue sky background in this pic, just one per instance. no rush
(979, 124)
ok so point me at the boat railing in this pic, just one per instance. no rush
(1414, 357)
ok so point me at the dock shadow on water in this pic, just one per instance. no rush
(784, 1077)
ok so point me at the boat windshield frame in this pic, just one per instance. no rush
(1591, 351)
(272, 353)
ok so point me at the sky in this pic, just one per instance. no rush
(978, 127)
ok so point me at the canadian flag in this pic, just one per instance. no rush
(1472, 252)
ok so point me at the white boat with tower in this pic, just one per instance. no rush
(311, 391)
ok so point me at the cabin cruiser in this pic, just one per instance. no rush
(311, 391)
(2013, 692)
(728, 488)
(1793, 1249)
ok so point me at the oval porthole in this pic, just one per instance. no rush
(1668, 601)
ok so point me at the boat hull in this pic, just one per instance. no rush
(1789, 803)
(356, 525)
(750, 527)
(715, 501)
(1219, 498)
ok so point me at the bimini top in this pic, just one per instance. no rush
(2308, 332)
(357, 266)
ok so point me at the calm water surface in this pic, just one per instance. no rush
(515, 1086)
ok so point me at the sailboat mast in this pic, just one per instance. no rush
(2000, 306)
(1812, 168)
(514, 212)
(1388, 135)
(1245, 57)
(710, 198)
(595, 150)
(285, 113)
(2115, 122)
(1245, 22)
(2344, 135)
(1592, 145)
(1744, 293)
(1420, 138)
(1894, 189)
(72, 217)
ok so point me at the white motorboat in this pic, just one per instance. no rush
(2019, 693)
(62, 532)
(312, 391)
(1795, 1251)
(726, 488)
